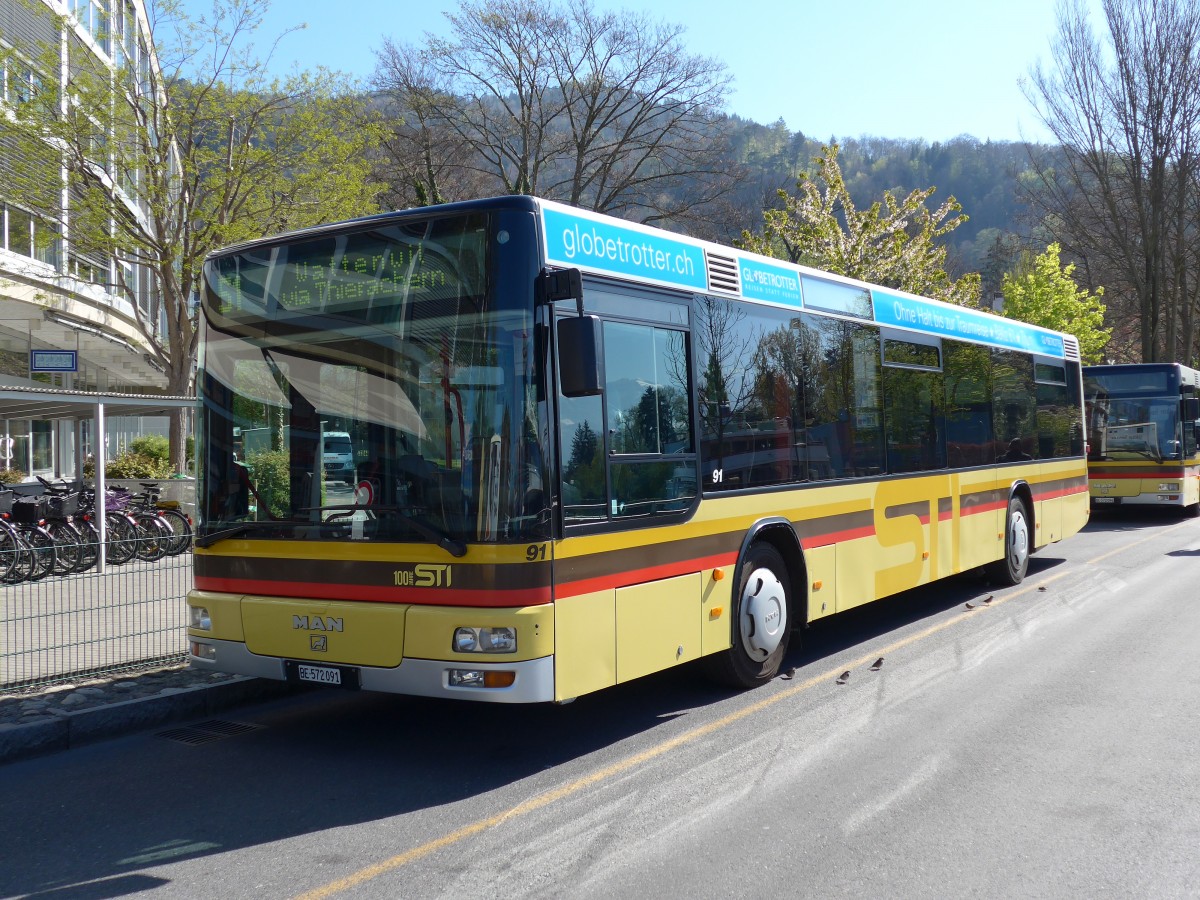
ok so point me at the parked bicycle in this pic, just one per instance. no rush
(58, 530)
(29, 550)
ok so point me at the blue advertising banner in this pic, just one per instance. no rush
(966, 324)
(601, 246)
(772, 284)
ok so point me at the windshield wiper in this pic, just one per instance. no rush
(430, 532)
(451, 545)
(207, 540)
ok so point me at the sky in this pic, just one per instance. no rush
(922, 69)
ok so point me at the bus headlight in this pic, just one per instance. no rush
(200, 619)
(485, 640)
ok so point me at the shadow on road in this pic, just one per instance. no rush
(1133, 518)
(323, 759)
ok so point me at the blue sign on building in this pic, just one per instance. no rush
(53, 361)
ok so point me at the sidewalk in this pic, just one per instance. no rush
(49, 719)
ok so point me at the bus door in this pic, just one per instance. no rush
(627, 462)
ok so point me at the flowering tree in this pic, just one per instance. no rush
(892, 242)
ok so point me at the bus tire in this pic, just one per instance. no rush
(761, 626)
(1017, 543)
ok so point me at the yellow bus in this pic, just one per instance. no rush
(1143, 421)
(587, 450)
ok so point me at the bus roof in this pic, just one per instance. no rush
(1183, 376)
(606, 246)
(603, 245)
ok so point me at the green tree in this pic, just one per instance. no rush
(892, 242)
(1043, 292)
(164, 163)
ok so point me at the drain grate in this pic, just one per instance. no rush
(207, 732)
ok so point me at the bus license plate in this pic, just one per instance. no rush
(334, 676)
(1104, 500)
(319, 675)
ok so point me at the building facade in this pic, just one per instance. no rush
(68, 318)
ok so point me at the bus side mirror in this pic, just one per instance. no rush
(579, 353)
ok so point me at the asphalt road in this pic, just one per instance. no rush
(1043, 743)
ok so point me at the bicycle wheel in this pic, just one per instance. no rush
(68, 545)
(22, 555)
(123, 537)
(42, 545)
(181, 529)
(10, 553)
(155, 536)
(89, 545)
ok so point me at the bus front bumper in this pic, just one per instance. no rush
(532, 682)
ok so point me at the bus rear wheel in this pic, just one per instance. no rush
(1012, 568)
(761, 627)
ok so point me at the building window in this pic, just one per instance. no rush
(19, 231)
(21, 83)
(29, 236)
(93, 16)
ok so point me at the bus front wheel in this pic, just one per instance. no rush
(1012, 568)
(761, 627)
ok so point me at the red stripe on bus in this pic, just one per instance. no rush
(835, 537)
(307, 590)
(1061, 492)
(978, 508)
(640, 576)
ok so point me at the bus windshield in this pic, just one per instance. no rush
(366, 385)
(1134, 428)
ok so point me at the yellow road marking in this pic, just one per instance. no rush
(563, 791)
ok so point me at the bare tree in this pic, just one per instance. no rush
(603, 110)
(641, 115)
(424, 160)
(1125, 106)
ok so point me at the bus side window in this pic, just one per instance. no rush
(647, 396)
(1014, 405)
(584, 477)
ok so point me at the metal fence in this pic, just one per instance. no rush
(129, 616)
(64, 627)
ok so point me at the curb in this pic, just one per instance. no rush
(75, 729)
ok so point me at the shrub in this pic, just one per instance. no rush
(11, 476)
(137, 465)
(155, 446)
